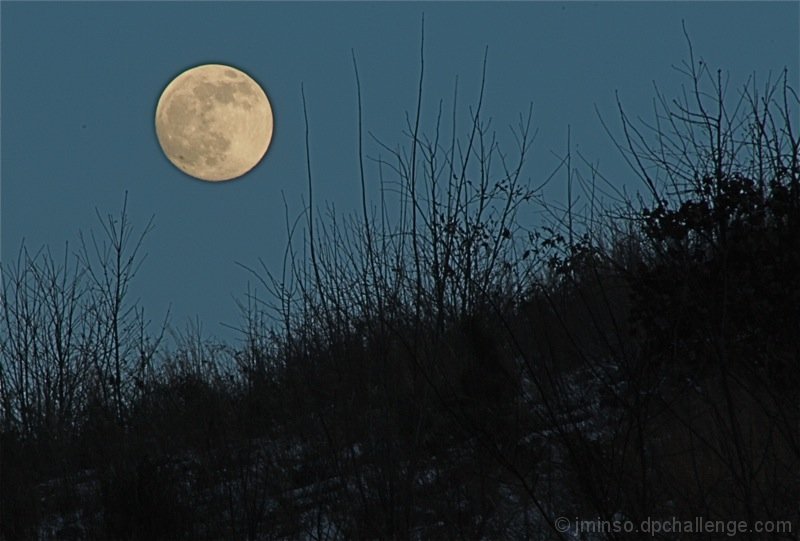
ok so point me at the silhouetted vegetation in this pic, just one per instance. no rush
(436, 367)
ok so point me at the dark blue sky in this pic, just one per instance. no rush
(80, 82)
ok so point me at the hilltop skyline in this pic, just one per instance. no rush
(81, 81)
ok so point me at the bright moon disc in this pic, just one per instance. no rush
(214, 122)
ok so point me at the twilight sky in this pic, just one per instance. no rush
(79, 83)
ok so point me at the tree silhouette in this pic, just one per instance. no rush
(432, 366)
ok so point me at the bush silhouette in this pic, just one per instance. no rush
(433, 367)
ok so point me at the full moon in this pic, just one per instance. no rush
(214, 122)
